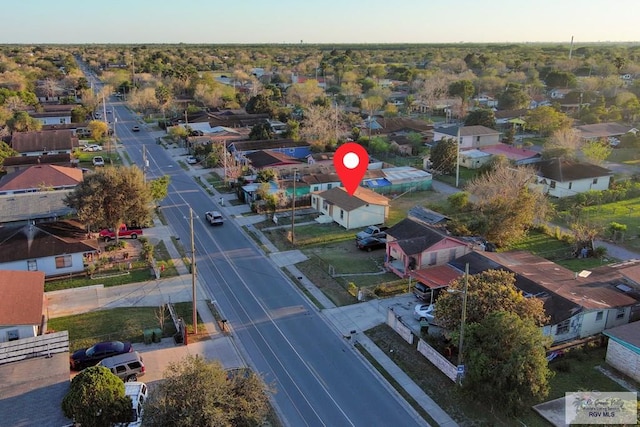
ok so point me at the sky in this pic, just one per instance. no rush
(326, 22)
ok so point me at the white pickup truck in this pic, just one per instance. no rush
(372, 231)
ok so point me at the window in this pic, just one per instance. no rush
(570, 185)
(341, 214)
(32, 265)
(329, 186)
(595, 180)
(120, 369)
(315, 188)
(452, 254)
(325, 206)
(63, 261)
(563, 327)
(599, 316)
(477, 139)
(620, 314)
(552, 184)
(13, 335)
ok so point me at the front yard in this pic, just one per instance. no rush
(575, 371)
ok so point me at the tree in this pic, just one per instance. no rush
(560, 79)
(596, 151)
(444, 156)
(304, 94)
(98, 129)
(196, 392)
(563, 143)
(546, 120)
(267, 175)
(6, 151)
(378, 144)
(159, 188)
(112, 196)
(487, 292)
(464, 90)
(506, 204)
(261, 131)
(513, 97)
(508, 366)
(260, 104)
(482, 117)
(96, 398)
(23, 122)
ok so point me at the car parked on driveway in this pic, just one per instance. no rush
(127, 366)
(98, 161)
(86, 357)
(92, 147)
(370, 243)
(192, 160)
(424, 312)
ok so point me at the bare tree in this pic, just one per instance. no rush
(160, 314)
(563, 143)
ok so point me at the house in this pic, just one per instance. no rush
(579, 304)
(321, 181)
(474, 159)
(623, 349)
(55, 248)
(565, 178)
(16, 163)
(38, 206)
(59, 114)
(40, 178)
(517, 155)
(599, 131)
(470, 136)
(362, 209)
(289, 147)
(414, 245)
(238, 118)
(21, 305)
(44, 142)
(270, 159)
(250, 191)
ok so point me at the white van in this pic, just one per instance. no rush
(137, 391)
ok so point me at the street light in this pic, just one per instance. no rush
(463, 319)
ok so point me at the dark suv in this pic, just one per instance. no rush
(422, 291)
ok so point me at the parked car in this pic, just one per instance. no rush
(424, 312)
(125, 231)
(138, 394)
(372, 231)
(98, 161)
(370, 243)
(127, 367)
(136, 128)
(214, 217)
(422, 291)
(192, 160)
(92, 147)
(86, 357)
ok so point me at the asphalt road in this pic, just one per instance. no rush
(317, 377)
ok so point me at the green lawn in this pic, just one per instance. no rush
(629, 156)
(122, 324)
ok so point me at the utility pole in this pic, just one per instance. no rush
(458, 158)
(193, 274)
(463, 319)
(145, 163)
(293, 209)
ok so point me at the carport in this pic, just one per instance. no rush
(436, 278)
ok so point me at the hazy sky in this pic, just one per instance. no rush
(328, 21)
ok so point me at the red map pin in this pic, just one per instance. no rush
(351, 162)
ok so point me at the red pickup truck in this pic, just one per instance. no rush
(108, 234)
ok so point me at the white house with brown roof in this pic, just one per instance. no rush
(364, 208)
(21, 305)
(54, 248)
(565, 178)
